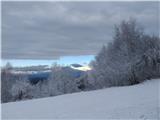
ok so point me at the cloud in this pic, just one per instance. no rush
(49, 30)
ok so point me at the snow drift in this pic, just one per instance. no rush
(130, 102)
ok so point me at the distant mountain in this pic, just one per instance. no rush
(76, 65)
(40, 73)
(32, 68)
(34, 78)
(75, 73)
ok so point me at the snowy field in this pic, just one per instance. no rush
(131, 102)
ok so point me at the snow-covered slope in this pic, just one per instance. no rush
(130, 102)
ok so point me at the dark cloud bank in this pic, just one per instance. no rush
(49, 30)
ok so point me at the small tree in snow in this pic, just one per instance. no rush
(22, 90)
(61, 81)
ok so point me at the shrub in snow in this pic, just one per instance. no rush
(6, 84)
(62, 81)
(148, 66)
(22, 90)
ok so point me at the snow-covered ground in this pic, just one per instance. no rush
(130, 102)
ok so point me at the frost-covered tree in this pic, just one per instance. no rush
(117, 64)
(148, 66)
(8, 66)
(7, 80)
(5, 86)
(21, 90)
(61, 81)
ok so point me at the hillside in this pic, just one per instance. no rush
(130, 102)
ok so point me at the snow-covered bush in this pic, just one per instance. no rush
(148, 66)
(22, 90)
(6, 84)
(62, 81)
(40, 90)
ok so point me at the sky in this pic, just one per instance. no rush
(60, 31)
(67, 60)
